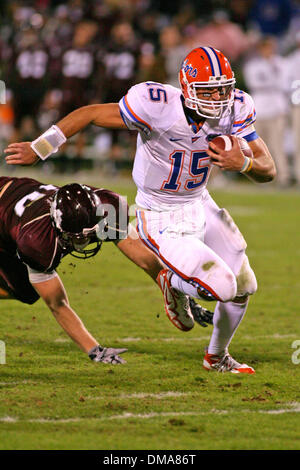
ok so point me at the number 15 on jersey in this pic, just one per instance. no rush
(198, 171)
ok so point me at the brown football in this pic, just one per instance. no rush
(225, 142)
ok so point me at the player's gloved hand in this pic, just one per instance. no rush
(201, 315)
(107, 355)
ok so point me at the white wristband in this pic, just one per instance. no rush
(246, 165)
(49, 142)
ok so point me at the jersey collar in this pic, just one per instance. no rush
(195, 126)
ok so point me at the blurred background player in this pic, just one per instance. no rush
(266, 78)
(75, 73)
(28, 78)
(293, 66)
(118, 65)
(176, 217)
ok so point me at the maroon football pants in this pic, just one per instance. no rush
(14, 278)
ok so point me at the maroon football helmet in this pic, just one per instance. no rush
(75, 211)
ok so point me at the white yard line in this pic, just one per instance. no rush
(204, 338)
(16, 383)
(132, 339)
(137, 396)
(293, 408)
(8, 419)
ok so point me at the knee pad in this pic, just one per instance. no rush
(246, 280)
(222, 282)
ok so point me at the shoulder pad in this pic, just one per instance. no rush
(146, 104)
(244, 111)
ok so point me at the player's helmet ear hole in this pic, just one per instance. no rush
(75, 212)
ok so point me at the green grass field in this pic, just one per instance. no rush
(53, 397)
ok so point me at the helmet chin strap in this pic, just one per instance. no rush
(201, 111)
(210, 113)
(207, 113)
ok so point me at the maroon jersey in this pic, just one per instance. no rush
(76, 81)
(26, 227)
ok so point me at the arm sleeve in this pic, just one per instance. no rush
(38, 276)
(38, 246)
(245, 117)
(134, 111)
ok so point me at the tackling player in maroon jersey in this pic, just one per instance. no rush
(40, 224)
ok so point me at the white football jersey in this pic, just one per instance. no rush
(171, 165)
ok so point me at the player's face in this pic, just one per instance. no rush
(78, 242)
(213, 94)
(211, 99)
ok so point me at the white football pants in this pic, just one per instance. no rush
(201, 244)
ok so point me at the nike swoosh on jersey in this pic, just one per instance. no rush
(172, 139)
(162, 231)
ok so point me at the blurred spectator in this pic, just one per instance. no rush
(293, 61)
(58, 30)
(265, 76)
(239, 12)
(148, 27)
(271, 17)
(225, 35)
(27, 76)
(170, 7)
(49, 110)
(6, 118)
(77, 65)
(118, 71)
(119, 62)
(173, 50)
(186, 16)
(151, 66)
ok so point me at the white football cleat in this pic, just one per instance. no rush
(225, 363)
(177, 304)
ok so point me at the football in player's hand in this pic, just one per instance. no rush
(225, 142)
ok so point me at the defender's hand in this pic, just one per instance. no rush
(201, 315)
(107, 355)
(20, 153)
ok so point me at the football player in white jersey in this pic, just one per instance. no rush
(177, 219)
